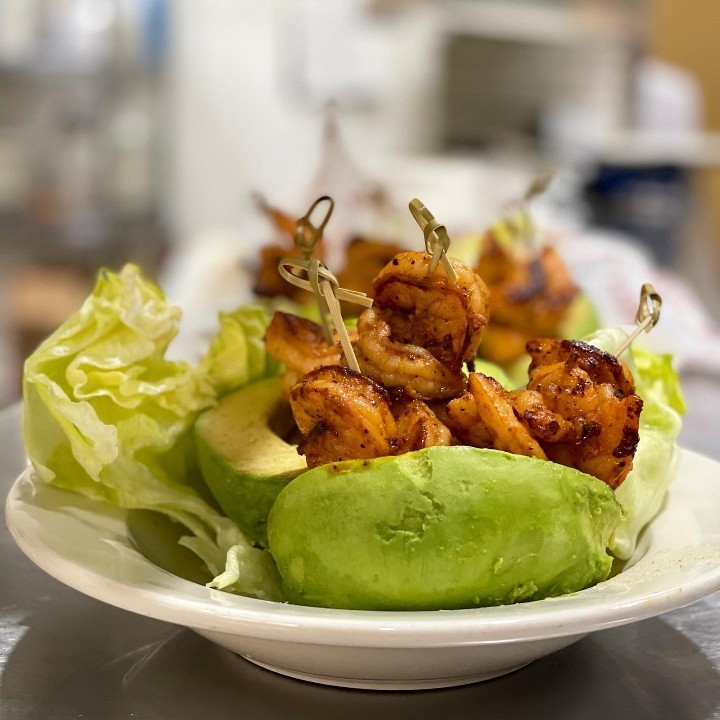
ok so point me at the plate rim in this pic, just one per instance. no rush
(269, 620)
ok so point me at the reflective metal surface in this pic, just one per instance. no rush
(64, 655)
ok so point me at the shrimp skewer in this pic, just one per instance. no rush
(400, 365)
(579, 409)
(530, 295)
(342, 415)
(595, 392)
(429, 310)
(422, 327)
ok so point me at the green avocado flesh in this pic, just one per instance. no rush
(582, 319)
(440, 528)
(243, 457)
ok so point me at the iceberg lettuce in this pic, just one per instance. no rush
(655, 462)
(237, 353)
(108, 416)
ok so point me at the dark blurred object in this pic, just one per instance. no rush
(650, 203)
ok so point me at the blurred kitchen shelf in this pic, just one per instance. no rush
(38, 70)
(143, 241)
(510, 68)
(543, 23)
(632, 148)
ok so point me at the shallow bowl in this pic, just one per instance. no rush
(92, 548)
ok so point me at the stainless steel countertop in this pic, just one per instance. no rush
(64, 655)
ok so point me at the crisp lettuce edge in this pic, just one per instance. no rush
(108, 416)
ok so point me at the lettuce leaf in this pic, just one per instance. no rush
(106, 415)
(658, 376)
(245, 575)
(655, 462)
(237, 353)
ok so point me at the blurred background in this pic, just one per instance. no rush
(143, 130)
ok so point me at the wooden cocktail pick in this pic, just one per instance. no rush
(322, 283)
(538, 186)
(437, 240)
(647, 315)
(518, 220)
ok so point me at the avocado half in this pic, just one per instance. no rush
(242, 454)
(440, 528)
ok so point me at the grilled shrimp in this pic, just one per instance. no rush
(527, 291)
(342, 415)
(530, 294)
(498, 415)
(600, 366)
(429, 310)
(300, 345)
(579, 409)
(422, 327)
(396, 364)
(464, 421)
(595, 394)
(544, 424)
(417, 427)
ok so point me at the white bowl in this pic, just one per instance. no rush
(90, 547)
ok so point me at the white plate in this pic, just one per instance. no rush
(89, 547)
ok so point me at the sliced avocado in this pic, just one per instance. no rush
(440, 528)
(243, 455)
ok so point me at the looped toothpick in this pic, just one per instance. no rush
(518, 218)
(328, 292)
(437, 240)
(647, 315)
(538, 186)
(321, 282)
(308, 235)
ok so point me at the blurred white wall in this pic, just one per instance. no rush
(237, 126)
